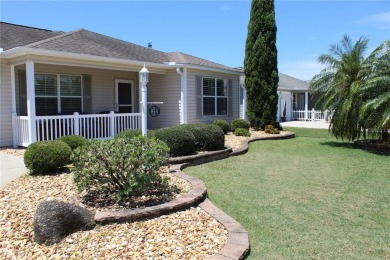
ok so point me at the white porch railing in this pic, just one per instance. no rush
(94, 126)
(311, 115)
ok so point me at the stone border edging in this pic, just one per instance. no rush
(245, 143)
(190, 199)
(203, 157)
(237, 246)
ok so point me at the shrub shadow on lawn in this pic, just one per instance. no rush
(347, 145)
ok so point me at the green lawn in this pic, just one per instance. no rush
(307, 197)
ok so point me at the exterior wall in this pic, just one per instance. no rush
(5, 104)
(165, 88)
(191, 96)
(103, 83)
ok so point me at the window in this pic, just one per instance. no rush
(57, 94)
(215, 96)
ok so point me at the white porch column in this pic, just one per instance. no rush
(30, 80)
(279, 104)
(13, 95)
(306, 104)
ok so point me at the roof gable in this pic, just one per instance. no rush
(290, 83)
(13, 35)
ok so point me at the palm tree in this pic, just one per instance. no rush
(375, 112)
(340, 83)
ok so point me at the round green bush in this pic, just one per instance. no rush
(208, 137)
(129, 134)
(74, 141)
(179, 140)
(222, 124)
(46, 156)
(120, 168)
(242, 132)
(240, 123)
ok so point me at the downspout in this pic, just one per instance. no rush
(183, 94)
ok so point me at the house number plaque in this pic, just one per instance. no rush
(153, 111)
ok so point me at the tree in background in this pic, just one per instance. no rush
(340, 83)
(375, 112)
(357, 89)
(260, 64)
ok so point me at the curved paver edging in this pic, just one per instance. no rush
(202, 157)
(190, 199)
(245, 143)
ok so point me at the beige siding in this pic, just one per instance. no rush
(103, 84)
(5, 104)
(165, 88)
(191, 96)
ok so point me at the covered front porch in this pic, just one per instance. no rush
(51, 100)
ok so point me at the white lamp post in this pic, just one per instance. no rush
(143, 79)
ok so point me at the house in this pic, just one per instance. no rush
(293, 94)
(80, 82)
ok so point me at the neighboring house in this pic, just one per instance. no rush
(61, 83)
(294, 93)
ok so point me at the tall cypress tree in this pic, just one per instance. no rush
(260, 64)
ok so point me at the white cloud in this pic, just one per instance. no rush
(301, 69)
(381, 20)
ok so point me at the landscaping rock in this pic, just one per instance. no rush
(54, 220)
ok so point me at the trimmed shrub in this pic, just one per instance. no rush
(46, 156)
(74, 141)
(242, 132)
(222, 124)
(129, 134)
(274, 131)
(120, 168)
(179, 140)
(208, 137)
(240, 123)
(278, 126)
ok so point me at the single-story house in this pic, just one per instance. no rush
(80, 82)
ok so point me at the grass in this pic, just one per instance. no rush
(310, 197)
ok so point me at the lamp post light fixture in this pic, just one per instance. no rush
(143, 79)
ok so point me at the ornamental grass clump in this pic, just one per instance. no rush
(120, 168)
(44, 157)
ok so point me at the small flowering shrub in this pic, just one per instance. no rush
(242, 132)
(269, 129)
(120, 168)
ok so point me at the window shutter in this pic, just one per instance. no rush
(230, 98)
(22, 93)
(199, 102)
(87, 94)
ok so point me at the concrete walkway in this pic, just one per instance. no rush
(307, 124)
(11, 167)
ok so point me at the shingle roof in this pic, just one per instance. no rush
(86, 42)
(13, 35)
(183, 58)
(290, 83)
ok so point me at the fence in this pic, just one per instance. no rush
(311, 115)
(94, 126)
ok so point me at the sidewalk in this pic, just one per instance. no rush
(11, 167)
(306, 124)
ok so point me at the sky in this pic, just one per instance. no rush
(214, 30)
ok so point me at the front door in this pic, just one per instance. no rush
(124, 96)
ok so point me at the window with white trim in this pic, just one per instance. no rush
(57, 94)
(215, 96)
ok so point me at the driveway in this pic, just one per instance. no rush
(11, 167)
(307, 124)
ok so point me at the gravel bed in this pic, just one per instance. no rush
(187, 234)
(235, 141)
